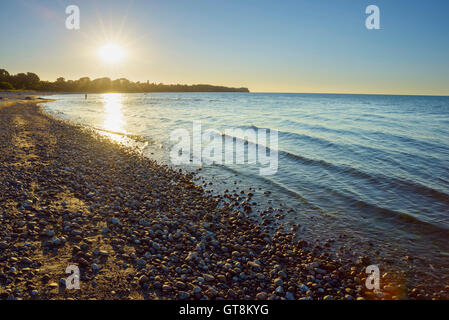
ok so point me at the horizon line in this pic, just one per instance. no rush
(361, 94)
(267, 92)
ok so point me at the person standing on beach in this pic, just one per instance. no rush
(85, 96)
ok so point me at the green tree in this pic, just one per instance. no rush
(6, 85)
(32, 81)
(4, 75)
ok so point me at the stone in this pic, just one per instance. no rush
(212, 292)
(208, 277)
(180, 285)
(27, 260)
(303, 288)
(221, 278)
(53, 285)
(166, 288)
(56, 241)
(278, 282)
(143, 279)
(183, 295)
(320, 271)
(141, 263)
(253, 264)
(103, 253)
(261, 296)
(279, 290)
(289, 296)
(49, 233)
(192, 256)
(95, 267)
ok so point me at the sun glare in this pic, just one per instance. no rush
(114, 122)
(111, 53)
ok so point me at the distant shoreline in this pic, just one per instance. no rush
(31, 81)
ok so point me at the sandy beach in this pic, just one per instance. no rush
(139, 230)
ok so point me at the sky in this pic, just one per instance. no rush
(267, 46)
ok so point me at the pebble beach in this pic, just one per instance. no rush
(140, 230)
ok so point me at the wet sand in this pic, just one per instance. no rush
(140, 230)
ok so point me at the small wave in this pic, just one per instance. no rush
(267, 181)
(130, 136)
(374, 179)
(372, 211)
(402, 219)
(405, 185)
(381, 136)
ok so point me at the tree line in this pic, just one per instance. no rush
(31, 81)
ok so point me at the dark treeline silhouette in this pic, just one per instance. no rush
(31, 81)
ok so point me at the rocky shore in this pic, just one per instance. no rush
(140, 230)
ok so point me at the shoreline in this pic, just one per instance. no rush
(140, 230)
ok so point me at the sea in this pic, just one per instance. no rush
(369, 170)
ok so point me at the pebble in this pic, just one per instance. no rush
(26, 260)
(49, 233)
(278, 282)
(143, 280)
(279, 290)
(289, 296)
(261, 296)
(95, 267)
(221, 278)
(166, 288)
(141, 263)
(303, 288)
(208, 277)
(183, 295)
(103, 253)
(53, 285)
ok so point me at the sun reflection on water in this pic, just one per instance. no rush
(114, 121)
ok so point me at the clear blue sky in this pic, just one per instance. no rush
(282, 46)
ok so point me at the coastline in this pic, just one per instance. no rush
(138, 229)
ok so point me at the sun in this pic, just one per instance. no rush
(111, 53)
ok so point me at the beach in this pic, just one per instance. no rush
(140, 230)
